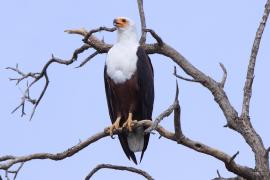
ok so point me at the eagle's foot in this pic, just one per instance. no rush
(128, 123)
(114, 126)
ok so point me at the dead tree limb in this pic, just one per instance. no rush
(143, 22)
(252, 62)
(224, 77)
(9, 161)
(121, 168)
(15, 172)
(183, 78)
(35, 77)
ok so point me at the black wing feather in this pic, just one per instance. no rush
(146, 86)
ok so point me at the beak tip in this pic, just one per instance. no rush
(115, 22)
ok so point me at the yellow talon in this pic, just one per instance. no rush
(128, 122)
(114, 126)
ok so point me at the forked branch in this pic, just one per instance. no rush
(36, 77)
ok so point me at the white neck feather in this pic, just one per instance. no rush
(122, 57)
(127, 36)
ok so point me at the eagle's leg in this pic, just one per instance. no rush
(128, 122)
(114, 126)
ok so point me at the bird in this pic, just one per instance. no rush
(129, 86)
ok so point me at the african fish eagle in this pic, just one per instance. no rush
(129, 85)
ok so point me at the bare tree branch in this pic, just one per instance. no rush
(35, 77)
(89, 34)
(183, 78)
(248, 132)
(177, 116)
(222, 178)
(234, 156)
(219, 176)
(122, 168)
(252, 61)
(8, 157)
(224, 78)
(234, 178)
(15, 172)
(11, 160)
(197, 146)
(155, 36)
(143, 23)
(88, 59)
(82, 31)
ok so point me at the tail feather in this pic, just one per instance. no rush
(129, 154)
(146, 140)
(136, 139)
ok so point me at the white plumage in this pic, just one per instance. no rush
(122, 57)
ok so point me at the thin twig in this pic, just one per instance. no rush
(143, 22)
(183, 78)
(15, 172)
(252, 62)
(155, 36)
(88, 59)
(80, 50)
(224, 77)
(41, 95)
(122, 168)
(102, 28)
(233, 157)
(177, 116)
(219, 176)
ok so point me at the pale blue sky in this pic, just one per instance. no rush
(74, 106)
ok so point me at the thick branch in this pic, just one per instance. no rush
(122, 168)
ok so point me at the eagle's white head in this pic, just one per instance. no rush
(126, 29)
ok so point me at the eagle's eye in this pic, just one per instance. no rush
(124, 20)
